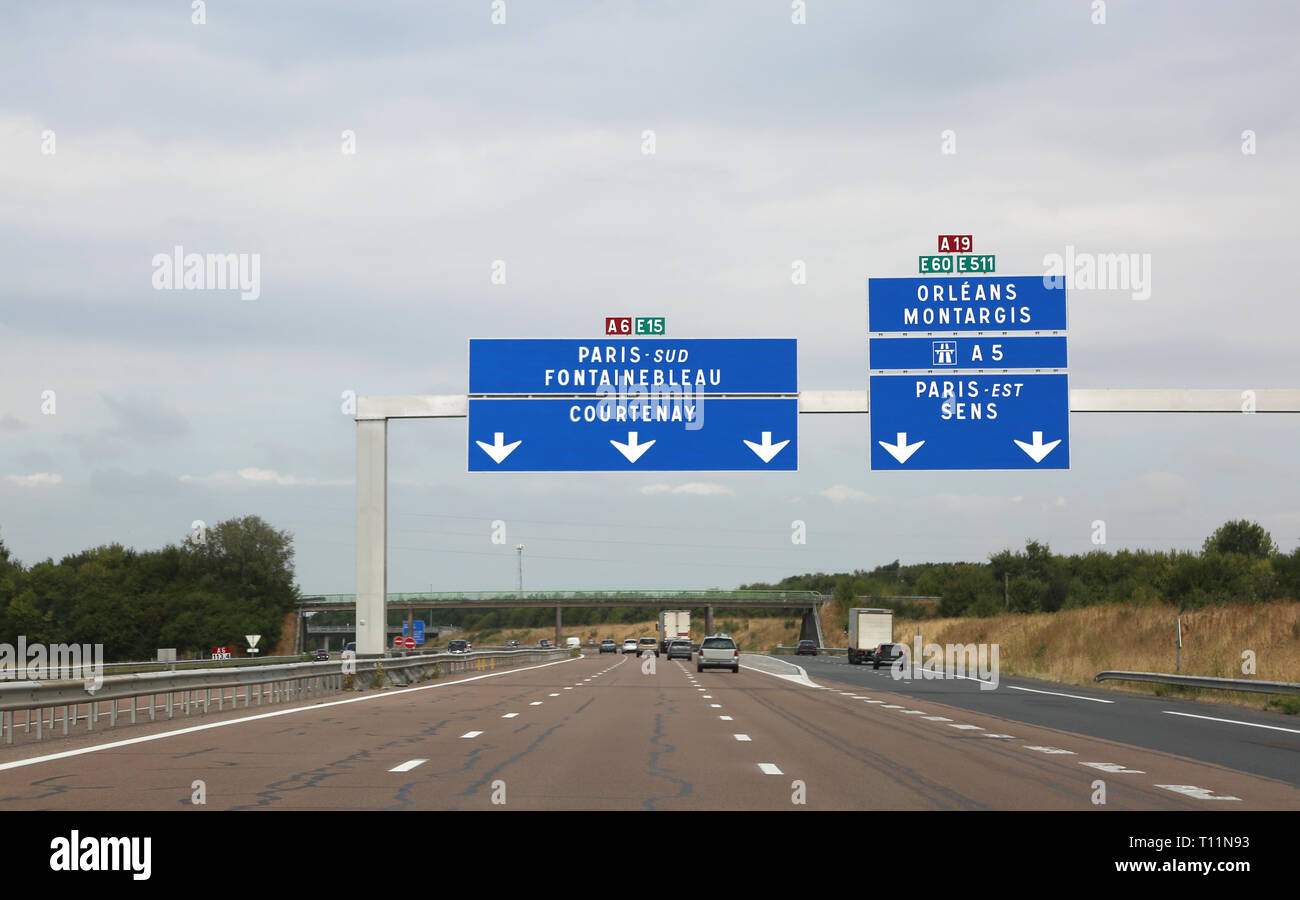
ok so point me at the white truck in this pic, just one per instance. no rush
(674, 624)
(868, 629)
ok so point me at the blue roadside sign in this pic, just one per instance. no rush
(933, 353)
(1012, 421)
(994, 303)
(606, 434)
(596, 365)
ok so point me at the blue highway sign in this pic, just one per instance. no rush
(955, 303)
(591, 366)
(682, 433)
(923, 353)
(1014, 421)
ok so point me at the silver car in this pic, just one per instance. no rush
(718, 652)
(681, 650)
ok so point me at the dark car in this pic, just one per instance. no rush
(806, 648)
(608, 645)
(887, 654)
(511, 645)
(680, 650)
(544, 643)
(322, 654)
(458, 646)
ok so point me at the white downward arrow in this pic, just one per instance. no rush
(498, 450)
(902, 450)
(766, 450)
(632, 450)
(1037, 450)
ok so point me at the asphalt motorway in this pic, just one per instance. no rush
(1259, 743)
(618, 733)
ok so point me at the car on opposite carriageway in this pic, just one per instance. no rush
(608, 646)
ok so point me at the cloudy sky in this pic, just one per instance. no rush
(523, 142)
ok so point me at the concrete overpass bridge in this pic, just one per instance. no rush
(807, 602)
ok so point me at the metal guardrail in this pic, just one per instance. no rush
(780, 648)
(1202, 681)
(186, 689)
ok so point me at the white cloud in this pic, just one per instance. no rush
(40, 479)
(255, 476)
(842, 493)
(699, 488)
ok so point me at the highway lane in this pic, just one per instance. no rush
(604, 732)
(1260, 743)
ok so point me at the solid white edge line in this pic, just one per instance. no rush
(801, 678)
(1170, 712)
(50, 757)
(1057, 694)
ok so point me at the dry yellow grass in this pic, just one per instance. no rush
(1072, 646)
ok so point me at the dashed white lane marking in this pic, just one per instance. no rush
(1055, 750)
(567, 689)
(891, 706)
(707, 697)
(1193, 791)
(875, 701)
(1058, 694)
(471, 734)
(725, 718)
(509, 715)
(408, 765)
(536, 703)
(701, 689)
(937, 719)
(716, 705)
(379, 697)
(1005, 737)
(1170, 712)
(770, 769)
(552, 695)
(964, 727)
(913, 712)
(1115, 768)
(741, 737)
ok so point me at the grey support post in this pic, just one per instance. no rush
(372, 535)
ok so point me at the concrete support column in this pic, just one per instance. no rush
(559, 626)
(372, 536)
(708, 620)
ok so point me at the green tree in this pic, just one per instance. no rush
(1241, 536)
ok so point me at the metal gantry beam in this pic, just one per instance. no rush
(374, 412)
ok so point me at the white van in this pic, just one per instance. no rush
(572, 643)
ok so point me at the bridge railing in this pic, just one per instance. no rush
(66, 702)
